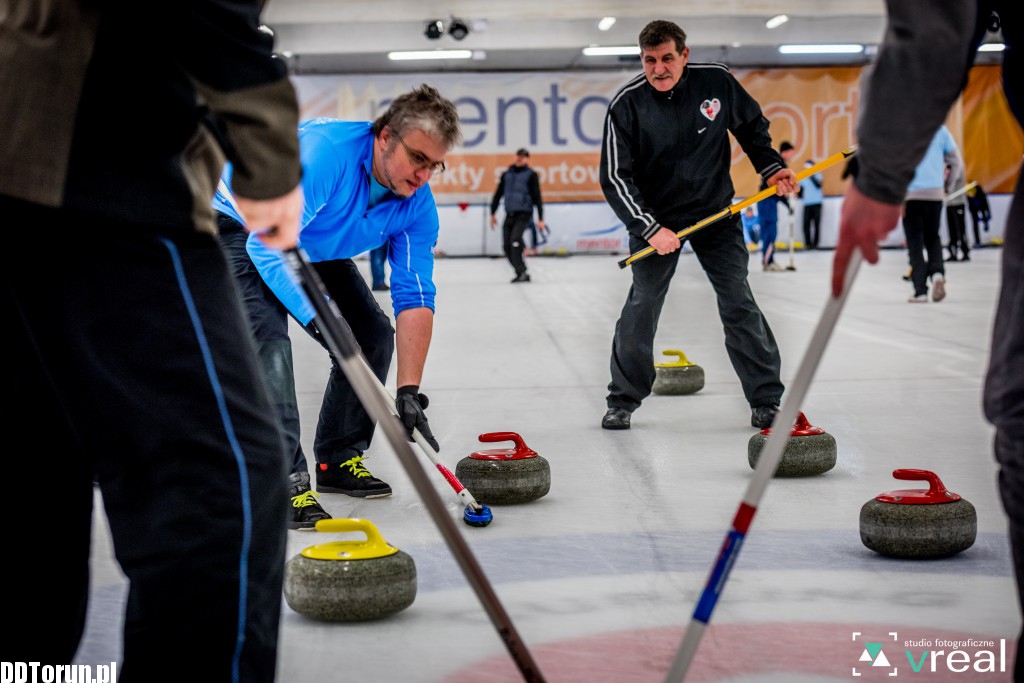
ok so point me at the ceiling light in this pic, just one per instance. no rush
(839, 49)
(776, 21)
(606, 23)
(458, 29)
(992, 47)
(434, 29)
(429, 54)
(595, 51)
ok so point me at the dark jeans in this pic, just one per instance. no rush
(512, 232)
(812, 225)
(268, 320)
(955, 221)
(132, 345)
(344, 428)
(921, 218)
(768, 217)
(378, 257)
(748, 339)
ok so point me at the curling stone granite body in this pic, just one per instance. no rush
(679, 378)
(505, 476)
(809, 450)
(349, 589)
(929, 530)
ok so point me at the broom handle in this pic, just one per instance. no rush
(343, 346)
(750, 201)
(767, 463)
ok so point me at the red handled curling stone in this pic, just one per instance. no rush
(350, 580)
(505, 476)
(918, 524)
(677, 378)
(809, 450)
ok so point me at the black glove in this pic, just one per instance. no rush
(411, 404)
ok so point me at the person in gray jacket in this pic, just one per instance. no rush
(922, 68)
(665, 166)
(520, 187)
(128, 332)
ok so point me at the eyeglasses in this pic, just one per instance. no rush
(420, 161)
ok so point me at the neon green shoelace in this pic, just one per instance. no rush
(304, 499)
(355, 466)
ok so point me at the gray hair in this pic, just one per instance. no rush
(422, 109)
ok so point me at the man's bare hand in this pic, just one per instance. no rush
(863, 223)
(784, 182)
(275, 221)
(664, 241)
(494, 221)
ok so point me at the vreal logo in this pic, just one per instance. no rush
(928, 656)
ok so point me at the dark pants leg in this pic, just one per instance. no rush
(957, 231)
(812, 225)
(378, 257)
(344, 428)
(976, 223)
(1004, 390)
(268, 319)
(768, 215)
(748, 338)
(512, 231)
(921, 220)
(134, 346)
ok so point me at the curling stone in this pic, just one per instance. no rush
(678, 377)
(350, 580)
(504, 476)
(918, 524)
(809, 450)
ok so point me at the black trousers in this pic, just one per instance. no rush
(921, 219)
(512, 233)
(748, 339)
(955, 221)
(812, 225)
(268, 319)
(131, 344)
(1004, 390)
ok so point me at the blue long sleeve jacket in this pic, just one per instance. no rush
(336, 224)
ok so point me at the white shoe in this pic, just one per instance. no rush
(918, 299)
(938, 287)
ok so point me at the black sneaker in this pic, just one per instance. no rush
(522, 277)
(306, 511)
(616, 418)
(351, 478)
(762, 416)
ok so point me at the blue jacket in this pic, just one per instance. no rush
(930, 174)
(810, 191)
(336, 157)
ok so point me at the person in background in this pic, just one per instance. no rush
(520, 188)
(923, 64)
(922, 216)
(981, 214)
(130, 339)
(812, 196)
(378, 276)
(956, 221)
(768, 215)
(669, 128)
(364, 181)
(751, 228)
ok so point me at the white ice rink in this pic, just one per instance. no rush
(600, 577)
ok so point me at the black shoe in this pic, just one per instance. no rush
(616, 418)
(952, 259)
(381, 288)
(522, 277)
(762, 416)
(351, 478)
(306, 511)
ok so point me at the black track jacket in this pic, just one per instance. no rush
(665, 157)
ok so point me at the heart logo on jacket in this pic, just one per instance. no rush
(710, 108)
